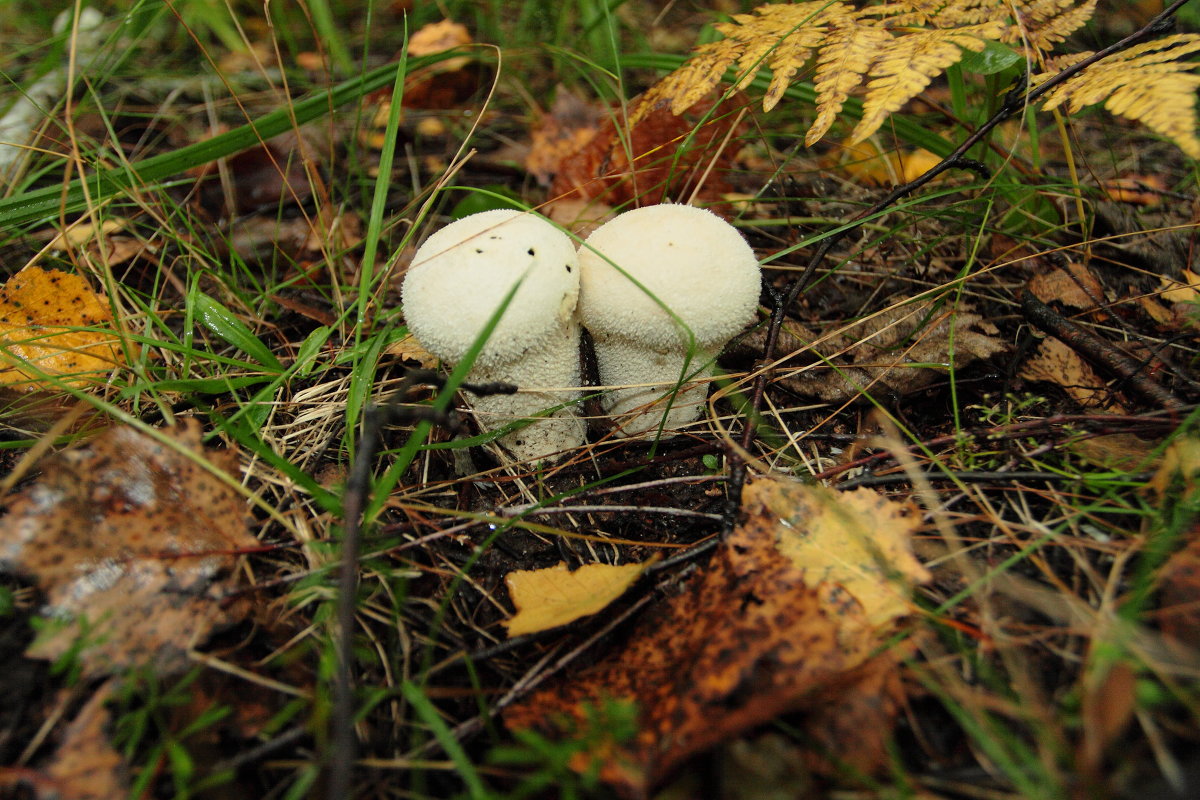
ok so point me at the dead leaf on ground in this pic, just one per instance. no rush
(408, 348)
(131, 543)
(661, 157)
(1185, 291)
(1122, 452)
(1140, 190)
(86, 766)
(754, 635)
(41, 314)
(1178, 479)
(900, 350)
(1055, 362)
(1074, 286)
(866, 161)
(548, 598)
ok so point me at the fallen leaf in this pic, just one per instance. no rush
(1142, 190)
(1180, 464)
(1055, 362)
(867, 162)
(749, 638)
(569, 126)
(854, 543)
(131, 542)
(548, 598)
(1179, 593)
(1074, 286)
(900, 350)
(42, 341)
(660, 156)
(1119, 451)
(1185, 291)
(82, 233)
(86, 766)
(408, 348)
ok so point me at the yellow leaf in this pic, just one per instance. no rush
(1186, 292)
(856, 543)
(53, 324)
(909, 63)
(1151, 83)
(548, 598)
(1180, 467)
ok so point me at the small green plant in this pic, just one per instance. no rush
(570, 766)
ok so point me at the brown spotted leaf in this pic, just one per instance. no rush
(130, 541)
(86, 766)
(54, 330)
(753, 636)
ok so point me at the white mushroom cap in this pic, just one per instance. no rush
(689, 260)
(459, 278)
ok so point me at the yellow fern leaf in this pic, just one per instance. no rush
(782, 37)
(848, 53)
(1147, 83)
(1040, 24)
(908, 65)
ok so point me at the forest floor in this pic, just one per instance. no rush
(935, 532)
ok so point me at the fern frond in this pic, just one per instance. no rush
(848, 53)
(1041, 24)
(910, 63)
(782, 37)
(1147, 83)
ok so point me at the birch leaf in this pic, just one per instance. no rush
(549, 598)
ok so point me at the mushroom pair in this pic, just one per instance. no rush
(661, 289)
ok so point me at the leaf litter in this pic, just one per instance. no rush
(791, 614)
(132, 543)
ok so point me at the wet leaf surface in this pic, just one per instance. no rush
(131, 542)
(41, 312)
(771, 625)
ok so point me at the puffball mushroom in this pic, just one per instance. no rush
(690, 261)
(458, 280)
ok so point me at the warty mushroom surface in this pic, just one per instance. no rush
(457, 281)
(632, 270)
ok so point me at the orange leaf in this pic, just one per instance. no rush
(755, 635)
(54, 330)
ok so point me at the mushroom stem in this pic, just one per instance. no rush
(547, 376)
(639, 407)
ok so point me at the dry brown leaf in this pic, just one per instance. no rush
(1185, 291)
(548, 598)
(899, 351)
(1179, 593)
(1055, 362)
(1119, 451)
(566, 129)
(1180, 462)
(131, 543)
(407, 348)
(86, 766)
(747, 639)
(1074, 286)
(648, 162)
(41, 344)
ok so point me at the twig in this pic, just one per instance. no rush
(1096, 350)
(1014, 102)
(343, 747)
(667, 510)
